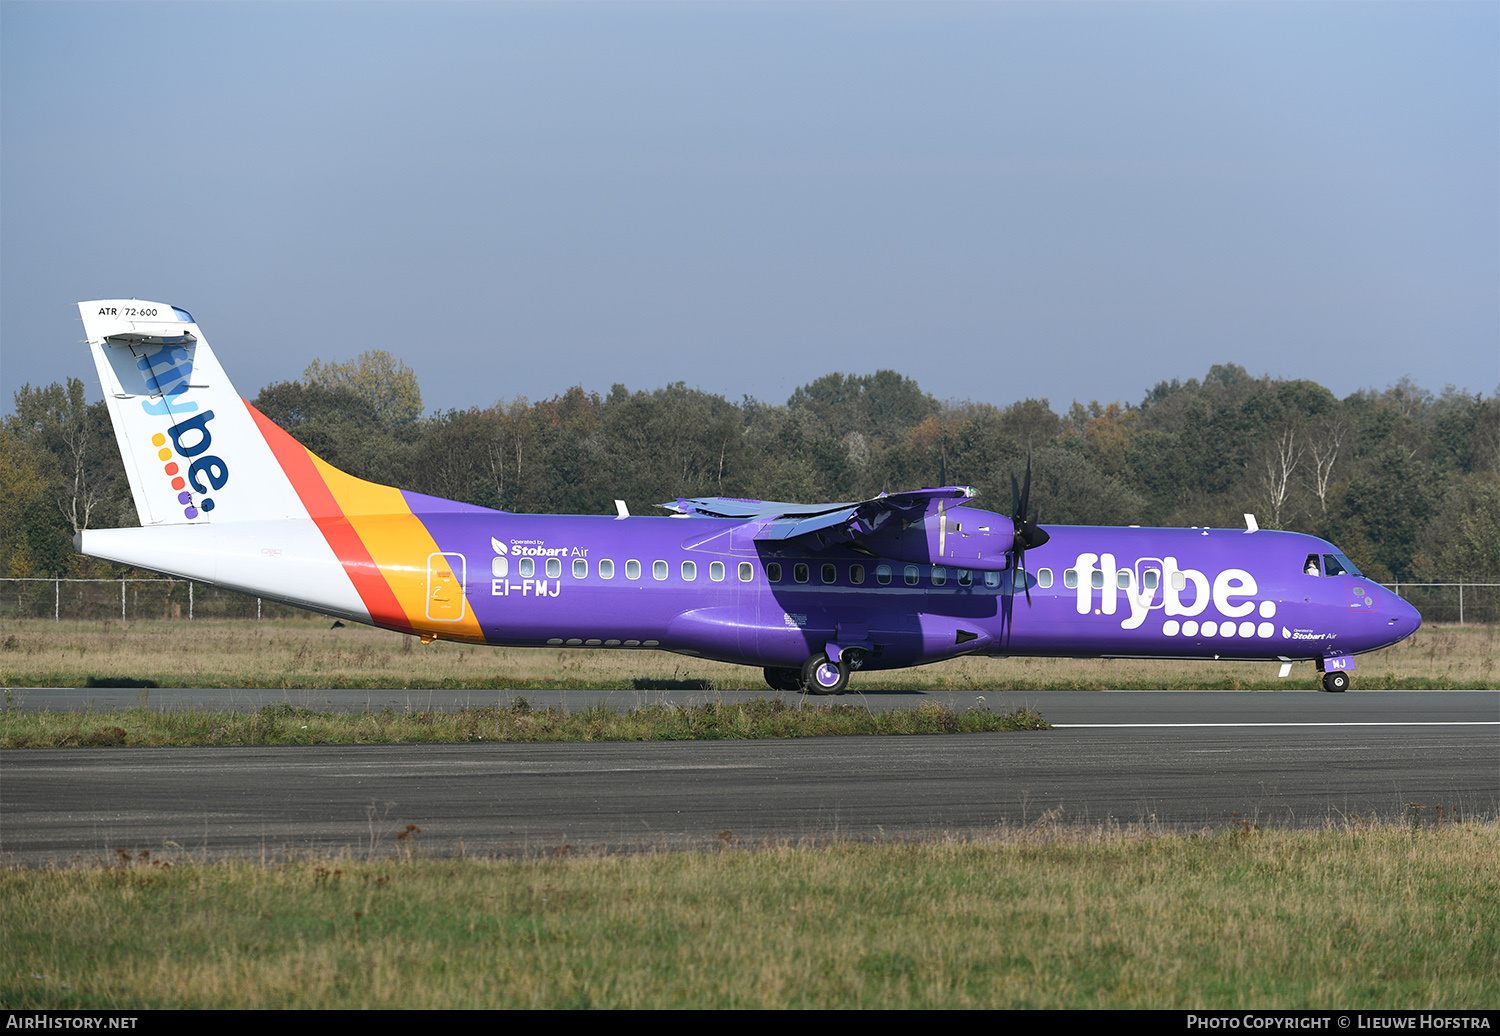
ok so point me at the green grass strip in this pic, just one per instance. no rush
(1384, 916)
(286, 724)
(285, 654)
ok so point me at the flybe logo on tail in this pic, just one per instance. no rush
(191, 439)
(166, 372)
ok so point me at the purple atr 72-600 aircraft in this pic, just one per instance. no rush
(808, 592)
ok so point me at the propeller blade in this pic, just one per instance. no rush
(1026, 493)
(1027, 534)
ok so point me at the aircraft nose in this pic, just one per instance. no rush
(1403, 619)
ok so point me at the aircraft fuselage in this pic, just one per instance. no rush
(703, 586)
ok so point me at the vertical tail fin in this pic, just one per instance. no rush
(229, 498)
(191, 448)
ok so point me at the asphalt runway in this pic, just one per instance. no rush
(1178, 760)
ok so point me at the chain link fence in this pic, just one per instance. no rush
(134, 599)
(183, 599)
(1453, 602)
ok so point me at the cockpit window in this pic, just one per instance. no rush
(1338, 565)
(1310, 566)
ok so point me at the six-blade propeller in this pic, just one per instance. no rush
(1028, 534)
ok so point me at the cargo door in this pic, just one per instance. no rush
(446, 583)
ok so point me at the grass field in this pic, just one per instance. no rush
(1382, 916)
(1358, 916)
(282, 654)
(286, 724)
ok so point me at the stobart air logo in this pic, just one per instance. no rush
(166, 372)
(1182, 594)
(528, 555)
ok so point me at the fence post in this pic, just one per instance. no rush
(257, 609)
(122, 600)
(1460, 603)
(190, 600)
(56, 599)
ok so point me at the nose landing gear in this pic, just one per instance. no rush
(1336, 680)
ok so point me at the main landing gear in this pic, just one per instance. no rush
(822, 675)
(1336, 681)
(784, 679)
(818, 675)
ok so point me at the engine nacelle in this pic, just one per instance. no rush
(960, 537)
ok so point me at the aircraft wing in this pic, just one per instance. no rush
(734, 507)
(833, 523)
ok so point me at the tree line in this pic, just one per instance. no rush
(1407, 482)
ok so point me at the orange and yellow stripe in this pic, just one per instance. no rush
(371, 529)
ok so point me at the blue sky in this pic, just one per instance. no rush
(1000, 200)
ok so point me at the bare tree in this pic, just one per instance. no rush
(1323, 442)
(1279, 461)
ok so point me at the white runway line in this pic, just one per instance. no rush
(1390, 723)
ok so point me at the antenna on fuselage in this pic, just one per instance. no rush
(621, 511)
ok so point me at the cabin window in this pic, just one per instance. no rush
(911, 575)
(606, 569)
(1096, 579)
(857, 574)
(1070, 578)
(500, 567)
(580, 568)
(883, 575)
(1122, 579)
(799, 572)
(1179, 581)
(527, 567)
(1044, 577)
(632, 570)
(716, 571)
(965, 577)
(830, 574)
(939, 575)
(1150, 579)
(992, 579)
(773, 572)
(689, 571)
(658, 570)
(554, 568)
(747, 572)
